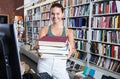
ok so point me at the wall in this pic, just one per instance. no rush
(9, 7)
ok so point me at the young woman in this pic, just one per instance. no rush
(54, 66)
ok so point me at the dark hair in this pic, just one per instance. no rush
(57, 5)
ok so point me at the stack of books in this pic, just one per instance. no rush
(53, 46)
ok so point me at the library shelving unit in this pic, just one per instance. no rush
(105, 38)
(96, 26)
(32, 23)
(78, 20)
(97, 34)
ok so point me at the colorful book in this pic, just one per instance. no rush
(53, 41)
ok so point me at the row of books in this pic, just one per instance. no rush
(45, 23)
(81, 45)
(105, 50)
(28, 23)
(79, 55)
(34, 17)
(35, 30)
(106, 36)
(29, 12)
(77, 2)
(78, 22)
(79, 10)
(72, 66)
(106, 22)
(80, 34)
(107, 7)
(36, 10)
(63, 2)
(106, 63)
(45, 16)
(45, 8)
(53, 46)
(28, 18)
(36, 24)
(29, 29)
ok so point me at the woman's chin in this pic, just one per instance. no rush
(55, 22)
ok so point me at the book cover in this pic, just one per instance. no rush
(118, 6)
(114, 9)
(116, 63)
(118, 52)
(53, 56)
(98, 74)
(111, 64)
(118, 38)
(119, 22)
(118, 68)
(53, 41)
(112, 51)
(107, 8)
(107, 63)
(48, 51)
(53, 48)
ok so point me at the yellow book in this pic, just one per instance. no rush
(116, 21)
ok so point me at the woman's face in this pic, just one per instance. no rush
(56, 14)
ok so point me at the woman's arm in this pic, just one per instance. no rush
(71, 42)
(42, 33)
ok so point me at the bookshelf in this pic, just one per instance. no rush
(88, 36)
(94, 23)
(105, 36)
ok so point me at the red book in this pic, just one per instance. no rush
(53, 41)
(107, 21)
(119, 22)
(114, 9)
(118, 52)
(112, 51)
(107, 8)
(99, 8)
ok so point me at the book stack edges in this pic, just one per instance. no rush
(53, 46)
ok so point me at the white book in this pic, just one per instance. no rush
(96, 9)
(116, 52)
(107, 63)
(53, 48)
(98, 75)
(118, 6)
(53, 56)
(48, 51)
(98, 35)
(98, 61)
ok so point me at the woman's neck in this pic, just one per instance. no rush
(58, 25)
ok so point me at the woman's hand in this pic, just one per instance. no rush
(71, 51)
(39, 53)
